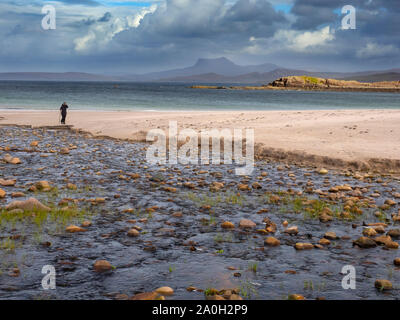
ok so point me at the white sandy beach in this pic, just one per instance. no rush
(346, 134)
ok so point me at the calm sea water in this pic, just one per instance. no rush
(172, 96)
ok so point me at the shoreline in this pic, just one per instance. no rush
(353, 139)
(305, 89)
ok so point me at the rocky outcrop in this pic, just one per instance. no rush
(305, 82)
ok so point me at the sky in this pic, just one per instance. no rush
(133, 37)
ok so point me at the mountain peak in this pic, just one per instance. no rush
(206, 62)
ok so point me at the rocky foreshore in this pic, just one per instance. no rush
(115, 227)
(316, 84)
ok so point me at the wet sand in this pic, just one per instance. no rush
(348, 135)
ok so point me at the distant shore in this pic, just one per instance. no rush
(306, 83)
(359, 138)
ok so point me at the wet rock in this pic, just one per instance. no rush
(243, 187)
(379, 229)
(394, 233)
(390, 202)
(272, 242)
(227, 225)
(292, 230)
(102, 266)
(324, 242)
(34, 143)
(147, 296)
(216, 186)
(296, 297)
(396, 262)
(270, 226)
(18, 194)
(74, 229)
(86, 224)
(8, 183)
(303, 246)
(64, 151)
(27, 205)
(133, 233)
(323, 171)
(246, 224)
(381, 284)
(365, 242)
(2, 193)
(330, 235)
(11, 160)
(383, 240)
(165, 291)
(369, 232)
(43, 185)
(392, 245)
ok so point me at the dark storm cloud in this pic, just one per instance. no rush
(107, 17)
(93, 37)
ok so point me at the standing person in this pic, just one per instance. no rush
(63, 110)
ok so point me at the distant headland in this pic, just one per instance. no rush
(308, 83)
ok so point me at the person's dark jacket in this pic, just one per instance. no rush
(63, 109)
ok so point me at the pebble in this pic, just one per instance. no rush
(272, 242)
(292, 230)
(369, 232)
(133, 233)
(74, 229)
(303, 246)
(165, 291)
(8, 183)
(383, 284)
(324, 242)
(227, 225)
(365, 242)
(330, 235)
(246, 224)
(147, 296)
(102, 266)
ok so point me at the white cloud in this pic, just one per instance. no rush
(100, 34)
(305, 41)
(372, 50)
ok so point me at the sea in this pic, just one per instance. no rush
(126, 96)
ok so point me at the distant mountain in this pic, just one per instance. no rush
(267, 77)
(388, 76)
(51, 76)
(220, 70)
(220, 66)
